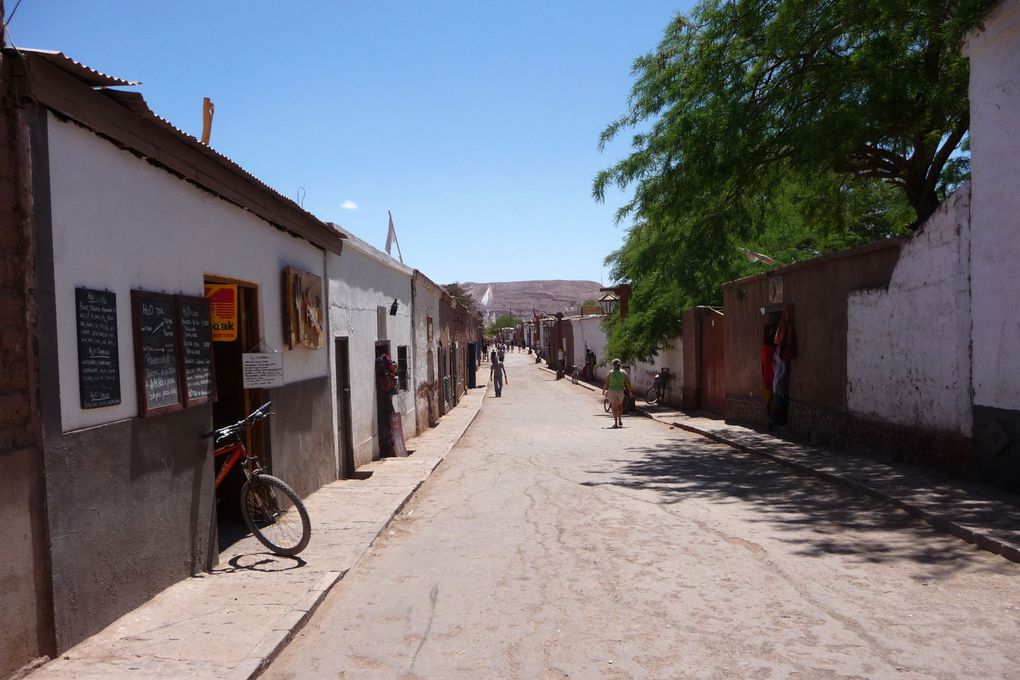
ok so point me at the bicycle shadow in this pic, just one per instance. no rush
(265, 562)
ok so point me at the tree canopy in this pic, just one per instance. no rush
(500, 323)
(786, 128)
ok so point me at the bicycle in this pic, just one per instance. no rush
(657, 392)
(284, 531)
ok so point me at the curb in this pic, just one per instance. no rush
(979, 539)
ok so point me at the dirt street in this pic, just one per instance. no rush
(548, 546)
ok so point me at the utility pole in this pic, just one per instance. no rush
(3, 26)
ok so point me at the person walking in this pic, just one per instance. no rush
(497, 373)
(617, 386)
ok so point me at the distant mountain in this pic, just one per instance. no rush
(519, 298)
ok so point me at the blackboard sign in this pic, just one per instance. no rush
(98, 362)
(195, 349)
(155, 352)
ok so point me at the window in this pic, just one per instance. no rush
(402, 367)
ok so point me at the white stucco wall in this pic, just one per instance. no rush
(122, 224)
(588, 330)
(361, 280)
(908, 347)
(995, 216)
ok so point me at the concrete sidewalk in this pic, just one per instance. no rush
(231, 622)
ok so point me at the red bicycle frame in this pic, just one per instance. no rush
(236, 451)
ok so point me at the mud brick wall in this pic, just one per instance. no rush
(26, 629)
(947, 451)
(745, 410)
(818, 424)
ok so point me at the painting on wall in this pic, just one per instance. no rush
(303, 313)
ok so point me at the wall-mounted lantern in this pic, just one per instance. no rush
(609, 302)
(615, 296)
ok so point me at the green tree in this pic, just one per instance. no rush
(500, 323)
(797, 126)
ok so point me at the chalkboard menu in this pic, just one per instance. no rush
(98, 363)
(195, 333)
(155, 352)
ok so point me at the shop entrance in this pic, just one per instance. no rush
(233, 402)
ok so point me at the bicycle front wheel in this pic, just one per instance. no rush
(275, 515)
(652, 395)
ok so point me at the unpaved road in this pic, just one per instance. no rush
(547, 546)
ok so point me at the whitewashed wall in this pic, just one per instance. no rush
(995, 241)
(908, 347)
(361, 280)
(642, 373)
(588, 330)
(122, 224)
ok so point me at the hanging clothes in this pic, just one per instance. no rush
(784, 350)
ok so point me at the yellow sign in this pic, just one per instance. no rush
(222, 311)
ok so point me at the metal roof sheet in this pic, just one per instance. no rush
(79, 70)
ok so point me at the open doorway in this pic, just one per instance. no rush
(233, 402)
(345, 432)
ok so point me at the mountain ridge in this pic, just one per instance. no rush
(521, 298)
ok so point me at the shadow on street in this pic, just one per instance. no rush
(816, 517)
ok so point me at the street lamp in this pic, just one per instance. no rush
(609, 302)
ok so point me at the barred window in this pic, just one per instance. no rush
(402, 367)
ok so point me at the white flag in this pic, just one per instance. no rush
(487, 298)
(391, 238)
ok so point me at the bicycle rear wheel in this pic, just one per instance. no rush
(275, 515)
(652, 395)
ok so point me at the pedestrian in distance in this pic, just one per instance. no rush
(617, 386)
(497, 372)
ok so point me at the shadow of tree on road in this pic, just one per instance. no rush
(816, 517)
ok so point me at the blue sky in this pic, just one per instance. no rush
(476, 123)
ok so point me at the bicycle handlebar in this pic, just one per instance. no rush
(243, 424)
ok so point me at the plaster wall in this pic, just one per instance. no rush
(361, 281)
(427, 298)
(994, 54)
(817, 291)
(122, 224)
(908, 346)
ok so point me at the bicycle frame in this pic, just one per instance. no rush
(236, 451)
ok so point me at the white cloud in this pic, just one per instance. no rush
(349, 205)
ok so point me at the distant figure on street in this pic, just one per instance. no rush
(498, 374)
(500, 354)
(616, 386)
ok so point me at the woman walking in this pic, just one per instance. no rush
(616, 386)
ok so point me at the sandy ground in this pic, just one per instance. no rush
(548, 546)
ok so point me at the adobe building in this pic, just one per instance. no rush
(117, 227)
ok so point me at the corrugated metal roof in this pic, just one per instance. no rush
(135, 102)
(79, 70)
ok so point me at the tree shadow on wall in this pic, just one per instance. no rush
(815, 517)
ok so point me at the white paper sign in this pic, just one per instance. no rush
(261, 369)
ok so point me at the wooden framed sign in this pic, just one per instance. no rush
(155, 322)
(98, 361)
(194, 350)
